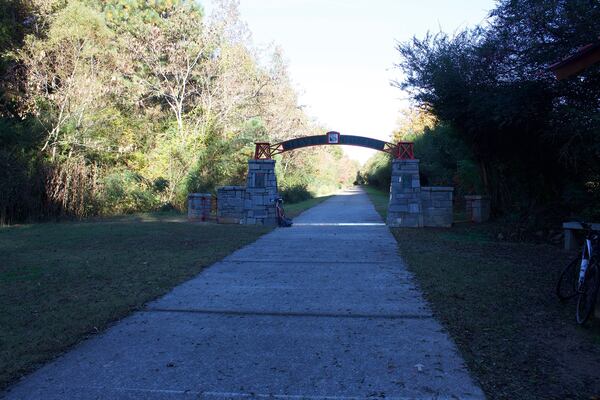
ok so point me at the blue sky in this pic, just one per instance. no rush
(341, 53)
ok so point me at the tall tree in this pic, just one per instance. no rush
(527, 131)
(68, 72)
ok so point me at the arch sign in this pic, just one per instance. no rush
(401, 150)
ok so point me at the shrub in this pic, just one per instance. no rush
(377, 171)
(126, 192)
(295, 193)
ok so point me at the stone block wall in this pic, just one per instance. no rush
(260, 194)
(230, 204)
(404, 208)
(199, 206)
(410, 205)
(436, 202)
(413, 206)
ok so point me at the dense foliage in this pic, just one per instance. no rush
(504, 124)
(127, 105)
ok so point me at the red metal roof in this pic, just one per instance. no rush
(583, 58)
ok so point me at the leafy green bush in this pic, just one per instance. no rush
(444, 161)
(468, 177)
(14, 180)
(295, 194)
(160, 185)
(126, 192)
(124, 143)
(378, 170)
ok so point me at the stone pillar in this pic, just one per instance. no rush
(404, 208)
(478, 208)
(260, 194)
(199, 206)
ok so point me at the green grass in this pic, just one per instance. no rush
(60, 282)
(497, 301)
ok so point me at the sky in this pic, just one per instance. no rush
(341, 53)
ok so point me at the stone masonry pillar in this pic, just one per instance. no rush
(404, 208)
(260, 195)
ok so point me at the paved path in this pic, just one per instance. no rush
(317, 311)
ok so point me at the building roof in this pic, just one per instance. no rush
(583, 58)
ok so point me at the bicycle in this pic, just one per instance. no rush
(581, 277)
(282, 220)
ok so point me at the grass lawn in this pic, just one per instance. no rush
(60, 282)
(496, 299)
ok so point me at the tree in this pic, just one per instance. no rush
(68, 71)
(412, 123)
(128, 105)
(167, 55)
(526, 131)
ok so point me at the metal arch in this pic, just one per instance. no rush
(401, 150)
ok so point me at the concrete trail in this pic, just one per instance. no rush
(323, 310)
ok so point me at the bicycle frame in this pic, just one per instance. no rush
(583, 283)
(586, 255)
(591, 240)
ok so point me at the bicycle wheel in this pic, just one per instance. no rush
(586, 301)
(566, 287)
